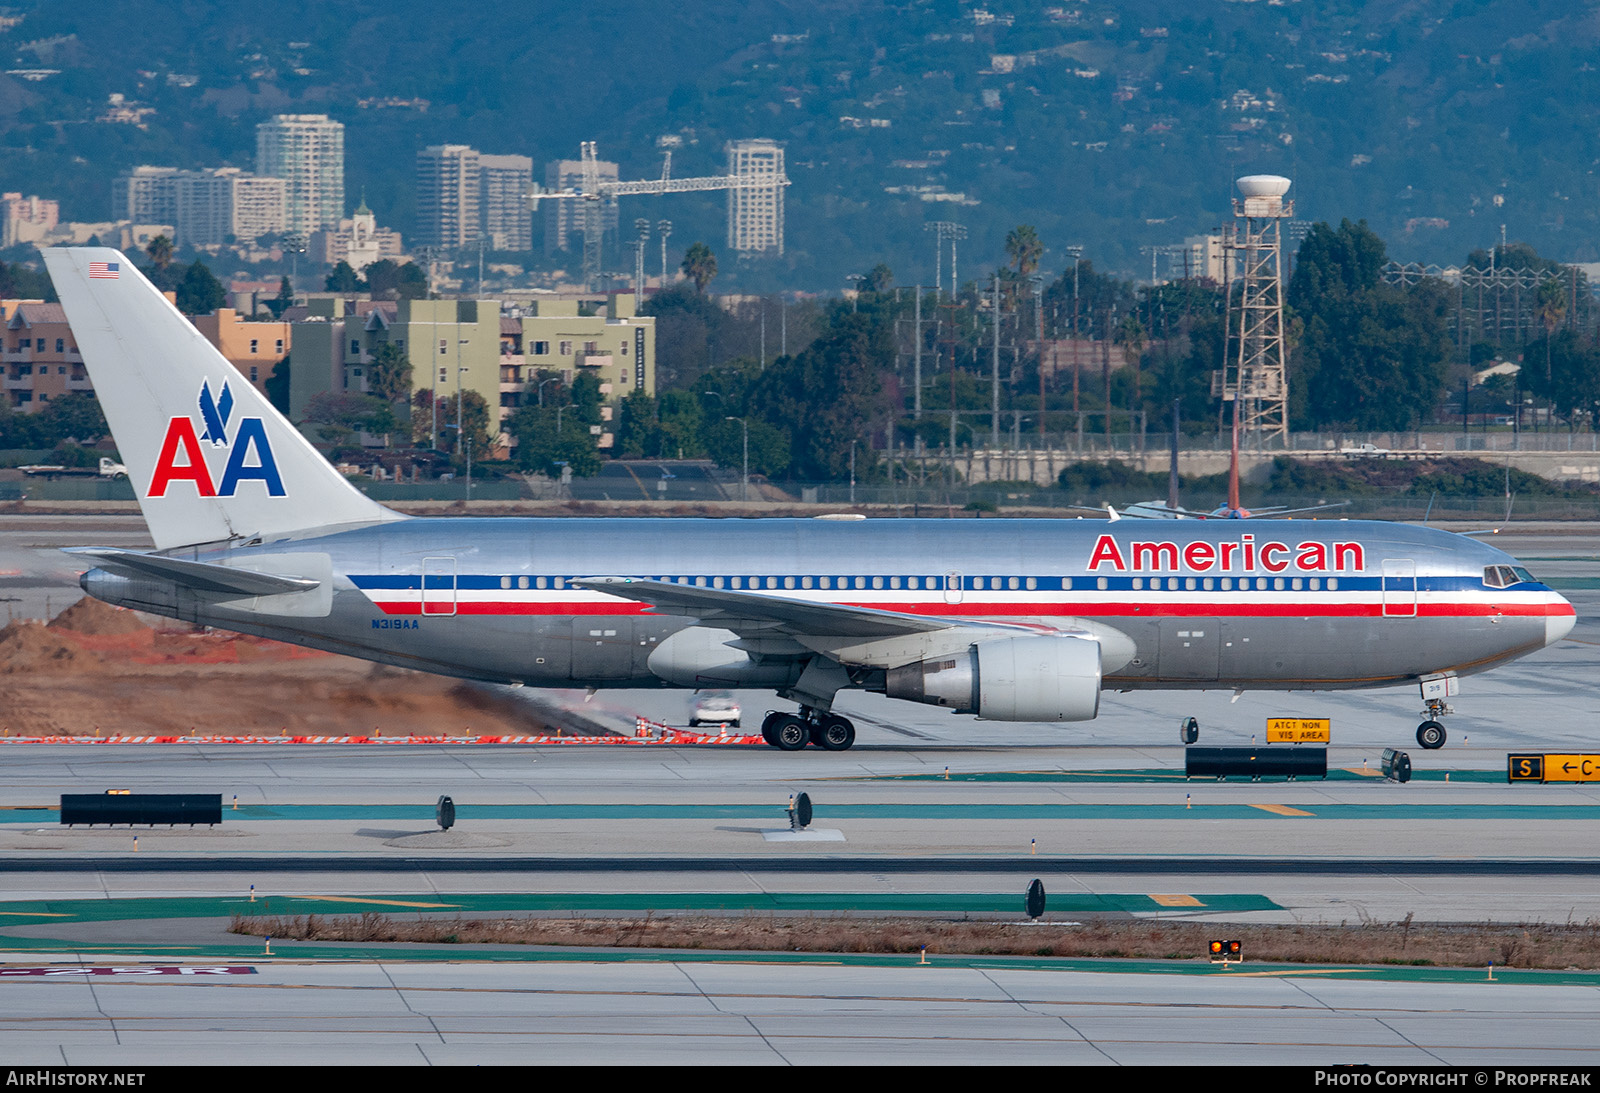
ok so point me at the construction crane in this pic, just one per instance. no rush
(595, 193)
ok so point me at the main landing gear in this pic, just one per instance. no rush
(791, 732)
(1431, 734)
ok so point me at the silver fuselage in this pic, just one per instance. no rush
(1309, 605)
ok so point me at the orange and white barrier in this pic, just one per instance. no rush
(656, 734)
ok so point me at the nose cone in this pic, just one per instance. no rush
(1559, 623)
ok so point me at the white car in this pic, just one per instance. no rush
(714, 708)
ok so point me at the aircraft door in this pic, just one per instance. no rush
(438, 586)
(1189, 648)
(1399, 588)
(952, 587)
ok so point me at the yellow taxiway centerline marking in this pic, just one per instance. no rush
(1364, 772)
(40, 914)
(383, 902)
(1177, 901)
(1283, 810)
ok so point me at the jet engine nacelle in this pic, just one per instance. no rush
(1009, 679)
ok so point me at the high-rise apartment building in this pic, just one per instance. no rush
(205, 208)
(507, 219)
(563, 220)
(26, 219)
(146, 195)
(755, 213)
(447, 195)
(307, 152)
(227, 203)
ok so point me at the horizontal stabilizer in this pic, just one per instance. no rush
(200, 576)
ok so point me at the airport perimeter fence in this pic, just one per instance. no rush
(1500, 438)
(979, 500)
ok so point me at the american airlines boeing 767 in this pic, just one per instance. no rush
(1011, 620)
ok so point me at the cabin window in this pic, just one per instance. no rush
(716, 582)
(1138, 583)
(1523, 574)
(1102, 584)
(542, 582)
(788, 582)
(1316, 583)
(1277, 584)
(877, 582)
(560, 582)
(1208, 584)
(861, 582)
(772, 582)
(1013, 583)
(505, 582)
(1333, 584)
(1188, 584)
(1296, 584)
(894, 582)
(913, 582)
(1227, 584)
(805, 582)
(522, 582)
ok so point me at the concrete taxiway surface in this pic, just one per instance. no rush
(775, 1012)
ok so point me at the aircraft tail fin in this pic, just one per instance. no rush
(209, 457)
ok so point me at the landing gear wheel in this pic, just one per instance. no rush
(767, 724)
(1189, 731)
(789, 733)
(1430, 734)
(834, 733)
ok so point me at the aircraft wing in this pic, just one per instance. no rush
(774, 626)
(202, 576)
(740, 611)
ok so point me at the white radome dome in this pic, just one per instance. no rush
(1263, 185)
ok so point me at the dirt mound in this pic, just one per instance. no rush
(31, 647)
(92, 616)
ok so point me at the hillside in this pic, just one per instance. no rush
(1113, 126)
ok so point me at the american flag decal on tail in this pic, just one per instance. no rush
(104, 271)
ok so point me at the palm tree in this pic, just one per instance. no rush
(160, 251)
(1552, 309)
(1024, 249)
(700, 266)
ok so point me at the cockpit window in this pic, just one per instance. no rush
(1504, 576)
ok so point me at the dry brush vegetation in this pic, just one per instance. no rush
(1534, 945)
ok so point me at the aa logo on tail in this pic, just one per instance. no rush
(183, 451)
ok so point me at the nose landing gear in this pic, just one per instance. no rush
(1431, 734)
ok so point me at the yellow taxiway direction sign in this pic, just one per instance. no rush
(1552, 767)
(1299, 730)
